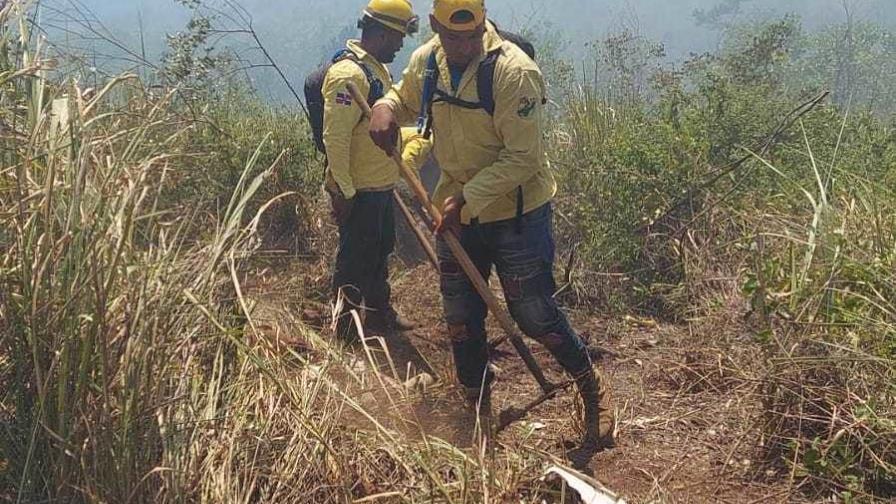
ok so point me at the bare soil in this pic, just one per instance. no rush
(687, 424)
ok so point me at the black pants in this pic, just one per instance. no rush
(365, 242)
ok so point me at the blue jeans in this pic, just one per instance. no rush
(522, 253)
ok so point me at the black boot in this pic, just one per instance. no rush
(386, 321)
(479, 399)
(346, 330)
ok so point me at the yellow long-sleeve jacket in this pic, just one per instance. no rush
(353, 161)
(487, 158)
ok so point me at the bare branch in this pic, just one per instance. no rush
(87, 20)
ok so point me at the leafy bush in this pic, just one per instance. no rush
(236, 123)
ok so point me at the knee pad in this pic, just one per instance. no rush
(461, 304)
(537, 316)
(552, 341)
(460, 334)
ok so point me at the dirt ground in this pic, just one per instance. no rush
(687, 430)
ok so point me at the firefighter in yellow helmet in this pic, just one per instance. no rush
(495, 192)
(360, 177)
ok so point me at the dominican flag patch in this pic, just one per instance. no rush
(343, 99)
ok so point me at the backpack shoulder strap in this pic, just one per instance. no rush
(430, 85)
(341, 55)
(376, 86)
(485, 81)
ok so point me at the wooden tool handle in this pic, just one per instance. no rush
(424, 241)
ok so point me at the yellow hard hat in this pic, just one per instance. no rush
(459, 15)
(396, 14)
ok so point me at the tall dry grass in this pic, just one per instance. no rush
(111, 313)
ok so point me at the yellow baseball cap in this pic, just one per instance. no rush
(459, 15)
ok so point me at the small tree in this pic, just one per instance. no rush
(192, 58)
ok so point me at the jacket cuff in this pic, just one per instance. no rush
(347, 192)
(333, 187)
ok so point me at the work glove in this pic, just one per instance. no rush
(340, 207)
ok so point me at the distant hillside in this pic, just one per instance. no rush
(300, 33)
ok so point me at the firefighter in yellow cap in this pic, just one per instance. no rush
(483, 98)
(360, 177)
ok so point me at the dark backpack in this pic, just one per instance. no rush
(485, 82)
(314, 95)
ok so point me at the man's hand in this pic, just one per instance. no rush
(384, 128)
(340, 207)
(451, 215)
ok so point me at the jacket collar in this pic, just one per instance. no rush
(491, 40)
(355, 47)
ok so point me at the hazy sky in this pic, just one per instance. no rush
(300, 33)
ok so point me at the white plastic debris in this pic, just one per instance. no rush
(588, 491)
(421, 382)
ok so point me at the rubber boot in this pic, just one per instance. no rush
(600, 421)
(386, 321)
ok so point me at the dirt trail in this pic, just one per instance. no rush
(685, 430)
